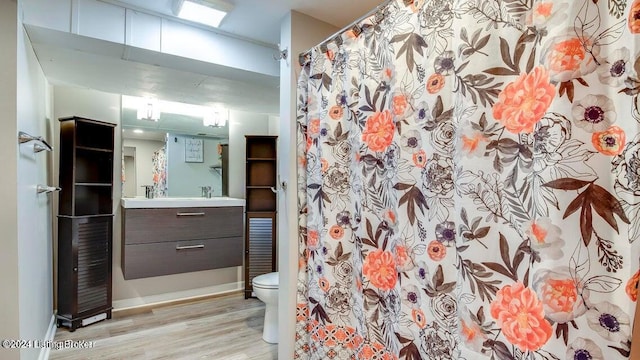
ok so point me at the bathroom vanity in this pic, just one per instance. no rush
(165, 236)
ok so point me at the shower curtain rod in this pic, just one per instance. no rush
(302, 55)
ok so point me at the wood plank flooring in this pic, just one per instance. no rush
(224, 328)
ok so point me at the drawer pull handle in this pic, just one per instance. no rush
(190, 214)
(190, 247)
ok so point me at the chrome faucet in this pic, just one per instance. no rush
(148, 191)
(206, 191)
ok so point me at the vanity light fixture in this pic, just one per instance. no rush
(207, 12)
(148, 109)
(138, 131)
(217, 117)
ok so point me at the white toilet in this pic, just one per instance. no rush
(266, 289)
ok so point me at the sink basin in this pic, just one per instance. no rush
(174, 202)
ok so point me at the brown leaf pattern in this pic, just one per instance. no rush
(469, 183)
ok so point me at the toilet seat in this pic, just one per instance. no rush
(266, 281)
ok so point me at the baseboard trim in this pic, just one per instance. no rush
(51, 333)
(140, 309)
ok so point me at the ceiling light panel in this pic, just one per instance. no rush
(204, 12)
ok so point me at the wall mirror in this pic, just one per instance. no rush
(174, 147)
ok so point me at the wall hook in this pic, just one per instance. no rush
(37, 147)
(282, 186)
(46, 189)
(282, 55)
(23, 137)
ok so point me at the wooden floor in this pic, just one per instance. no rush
(225, 328)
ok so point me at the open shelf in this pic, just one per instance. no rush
(260, 204)
(261, 147)
(260, 199)
(91, 134)
(93, 166)
(261, 174)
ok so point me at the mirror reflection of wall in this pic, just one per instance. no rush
(186, 179)
(130, 184)
(168, 126)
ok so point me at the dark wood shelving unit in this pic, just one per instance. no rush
(261, 203)
(85, 221)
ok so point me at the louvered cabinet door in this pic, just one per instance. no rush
(94, 263)
(260, 247)
(84, 269)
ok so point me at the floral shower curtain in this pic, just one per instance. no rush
(469, 183)
(159, 162)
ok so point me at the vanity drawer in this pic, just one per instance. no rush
(164, 258)
(142, 226)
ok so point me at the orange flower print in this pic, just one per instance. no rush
(634, 17)
(420, 159)
(473, 143)
(403, 259)
(609, 142)
(559, 294)
(545, 238)
(418, 317)
(566, 57)
(309, 141)
(399, 104)
(378, 132)
(523, 102)
(336, 232)
(471, 334)
(520, 315)
(312, 239)
(324, 165)
(313, 128)
(336, 112)
(380, 268)
(386, 75)
(437, 251)
(435, 83)
(391, 218)
(324, 284)
(546, 13)
(632, 286)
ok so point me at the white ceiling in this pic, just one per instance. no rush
(101, 65)
(260, 19)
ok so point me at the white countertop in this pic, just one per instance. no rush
(177, 202)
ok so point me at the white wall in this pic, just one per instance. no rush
(143, 161)
(298, 33)
(185, 179)
(274, 125)
(240, 124)
(25, 218)
(9, 301)
(35, 251)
